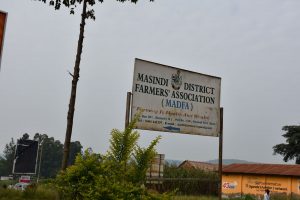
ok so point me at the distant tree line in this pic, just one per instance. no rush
(52, 153)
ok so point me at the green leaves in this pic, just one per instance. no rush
(117, 175)
(79, 180)
(72, 4)
(143, 158)
(291, 149)
(90, 14)
(122, 144)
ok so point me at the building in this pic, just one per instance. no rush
(253, 179)
(187, 164)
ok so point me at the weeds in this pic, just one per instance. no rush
(41, 192)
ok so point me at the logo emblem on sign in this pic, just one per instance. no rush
(176, 80)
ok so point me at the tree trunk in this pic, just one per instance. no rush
(73, 90)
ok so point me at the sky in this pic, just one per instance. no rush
(253, 45)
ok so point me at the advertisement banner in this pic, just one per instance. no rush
(170, 99)
(25, 161)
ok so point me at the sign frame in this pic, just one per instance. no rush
(33, 143)
(188, 126)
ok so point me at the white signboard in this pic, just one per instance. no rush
(175, 100)
(24, 179)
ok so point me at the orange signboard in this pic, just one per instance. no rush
(3, 16)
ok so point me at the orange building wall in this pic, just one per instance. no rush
(238, 184)
(296, 187)
(280, 185)
(232, 184)
(253, 185)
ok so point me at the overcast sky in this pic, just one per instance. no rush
(253, 45)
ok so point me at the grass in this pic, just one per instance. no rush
(194, 198)
(45, 192)
(6, 183)
(42, 192)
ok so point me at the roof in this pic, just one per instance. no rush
(187, 164)
(263, 169)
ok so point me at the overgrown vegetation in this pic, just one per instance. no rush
(119, 174)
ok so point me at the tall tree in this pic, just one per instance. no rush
(51, 152)
(291, 149)
(50, 155)
(7, 159)
(86, 13)
(25, 136)
(75, 149)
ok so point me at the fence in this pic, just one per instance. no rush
(184, 186)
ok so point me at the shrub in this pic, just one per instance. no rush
(120, 174)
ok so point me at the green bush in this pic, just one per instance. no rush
(120, 174)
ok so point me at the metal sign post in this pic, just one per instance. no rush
(127, 114)
(220, 153)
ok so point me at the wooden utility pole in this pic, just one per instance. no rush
(75, 76)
